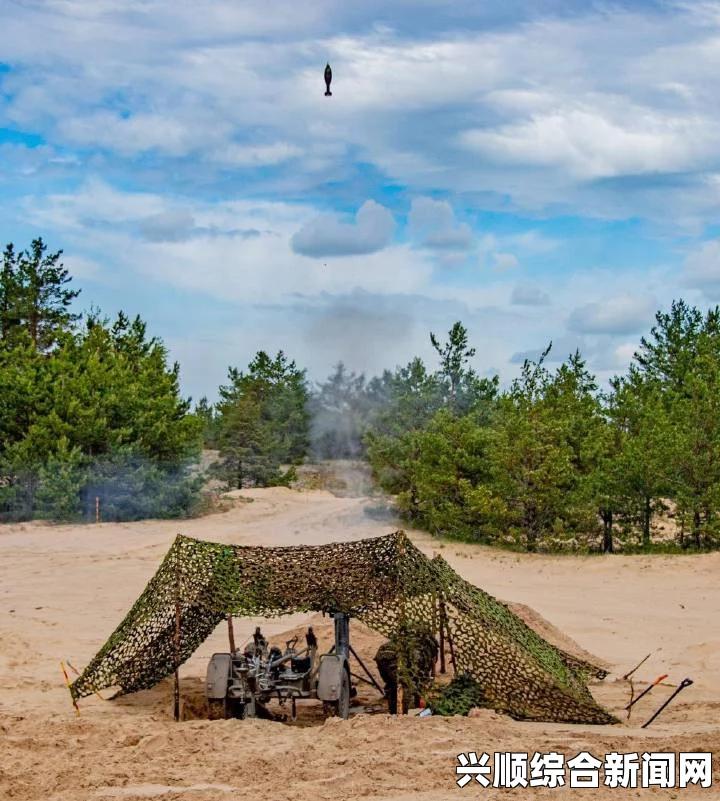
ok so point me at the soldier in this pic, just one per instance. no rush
(420, 650)
(259, 641)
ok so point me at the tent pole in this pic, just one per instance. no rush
(177, 641)
(442, 636)
(177, 661)
(401, 666)
(450, 644)
(446, 624)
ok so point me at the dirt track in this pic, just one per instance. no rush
(64, 589)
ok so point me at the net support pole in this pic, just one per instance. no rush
(401, 666)
(446, 624)
(231, 634)
(441, 637)
(177, 661)
(177, 644)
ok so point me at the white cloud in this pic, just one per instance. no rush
(589, 143)
(585, 97)
(141, 132)
(610, 114)
(433, 223)
(533, 242)
(255, 155)
(167, 227)
(702, 269)
(617, 315)
(97, 201)
(82, 268)
(525, 295)
(326, 236)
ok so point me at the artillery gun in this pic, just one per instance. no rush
(240, 684)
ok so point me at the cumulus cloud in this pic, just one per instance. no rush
(618, 315)
(215, 122)
(167, 227)
(600, 97)
(702, 269)
(613, 356)
(255, 155)
(433, 223)
(533, 242)
(326, 236)
(591, 144)
(526, 295)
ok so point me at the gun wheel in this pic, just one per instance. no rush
(341, 707)
(217, 709)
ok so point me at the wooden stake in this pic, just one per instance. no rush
(231, 634)
(642, 661)
(400, 699)
(67, 684)
(97, 508)
(77, 673)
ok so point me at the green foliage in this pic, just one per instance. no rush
(133, 487)
(61, 480)
(264, 422)
(463, 390)
(552, 463)
(85, 410)
(462, 694)
(207, 414)
(406, 440)
(33, 295)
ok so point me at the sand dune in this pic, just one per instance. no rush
(63, 590)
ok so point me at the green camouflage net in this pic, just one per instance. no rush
(385, 582)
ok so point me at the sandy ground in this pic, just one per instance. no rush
(64, 589)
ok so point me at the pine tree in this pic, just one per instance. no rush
(34, 295)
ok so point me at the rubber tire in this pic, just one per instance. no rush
(217, 709)
(341, 707)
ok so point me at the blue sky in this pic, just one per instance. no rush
(539, 170)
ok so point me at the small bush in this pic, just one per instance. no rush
(458, 697)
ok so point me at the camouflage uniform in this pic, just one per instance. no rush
(420, 650)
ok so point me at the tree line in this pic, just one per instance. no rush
(90, 408)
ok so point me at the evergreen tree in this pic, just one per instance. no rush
(263, 421)
(34, 294)
(463, 389)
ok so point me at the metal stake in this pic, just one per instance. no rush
(683, 684)
(646, 690)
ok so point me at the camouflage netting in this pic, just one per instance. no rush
(385, 582)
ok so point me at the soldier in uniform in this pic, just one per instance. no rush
(420, 650)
